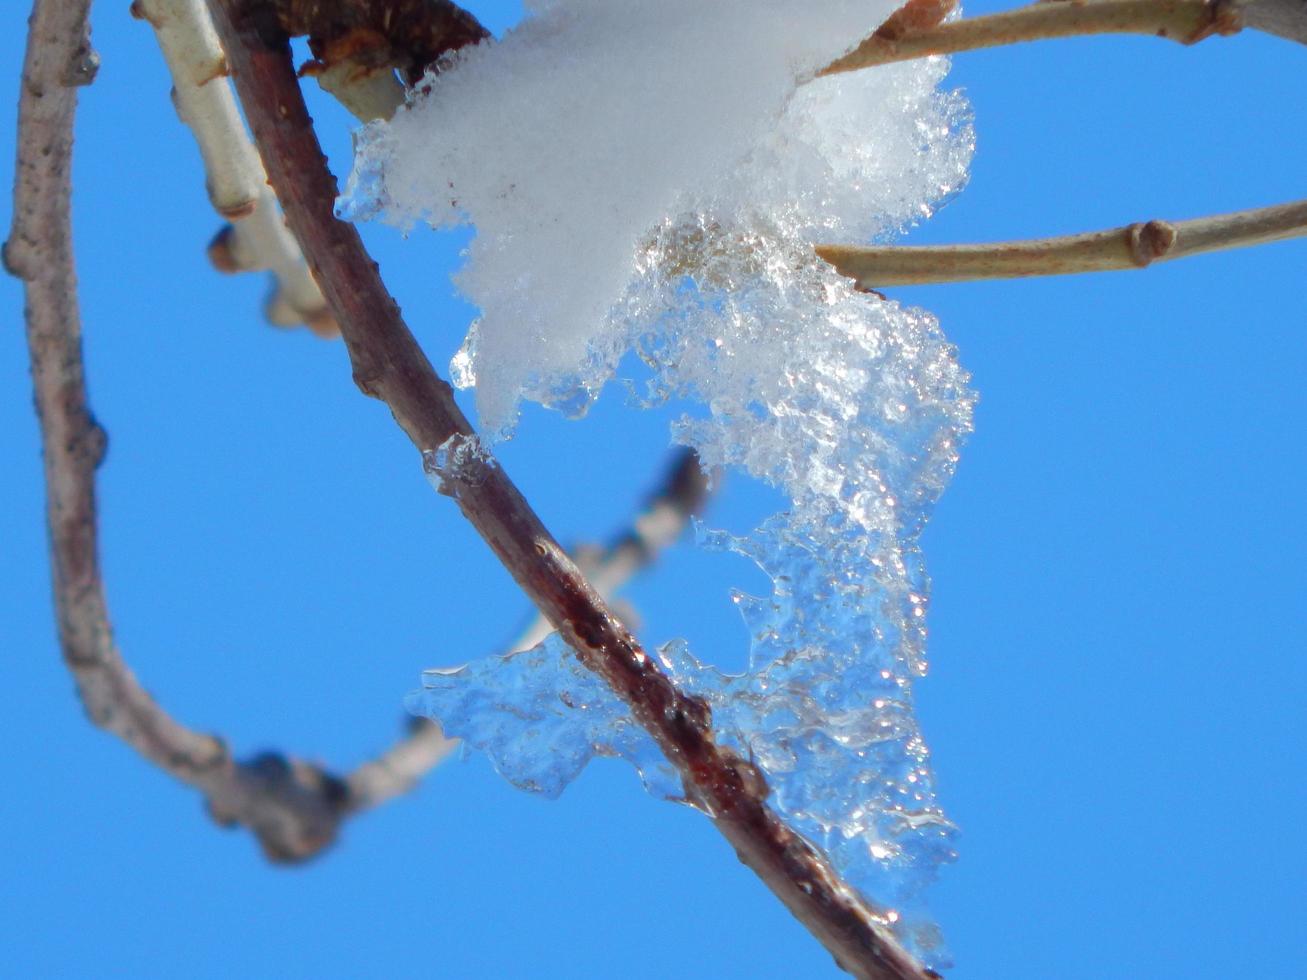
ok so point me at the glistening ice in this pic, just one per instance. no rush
(651, 178)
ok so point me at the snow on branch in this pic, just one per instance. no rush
(389, 364)
(1134, 246)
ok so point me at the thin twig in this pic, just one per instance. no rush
(1131, 247)
(1186, 21)
(290, 806)
(389, 364)
(257, 238)
(1283, 18)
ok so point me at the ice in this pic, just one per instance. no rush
(571, 140)
(651, 177)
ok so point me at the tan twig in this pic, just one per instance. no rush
(1131, 247)
(295, 808)
(389, 364)
(1186, 21)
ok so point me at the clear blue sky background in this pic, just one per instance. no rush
(1116, 700)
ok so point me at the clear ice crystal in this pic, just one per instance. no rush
(459, 461)
(651, 177)
(540, 717)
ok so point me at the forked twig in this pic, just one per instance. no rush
(1134, 246)
(389, 364)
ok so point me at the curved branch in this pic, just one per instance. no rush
(389, 364)
(1134, 246)
(294, 807)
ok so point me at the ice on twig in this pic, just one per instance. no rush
(651, 177)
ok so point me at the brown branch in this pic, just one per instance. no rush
(358, 45)
(1134, 246)
(662, 520)
(903, 38)
(388, 364)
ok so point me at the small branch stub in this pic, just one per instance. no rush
(916, 31)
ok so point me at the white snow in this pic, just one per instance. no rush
(651, 177)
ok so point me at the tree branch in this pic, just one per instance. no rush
(358, 45)
(1134, 246)
(388, 364)
(277, 803)
(900, 39)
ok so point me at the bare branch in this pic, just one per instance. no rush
(388, 364)
(1131, 247)
(257, 238)
(902, 39)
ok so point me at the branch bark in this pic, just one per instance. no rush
(663, 518)
(294, 808)
(902, 39)
(1283, 18)
(1134, 246)
(388, 364)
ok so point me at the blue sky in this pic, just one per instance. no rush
(1117, 628)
